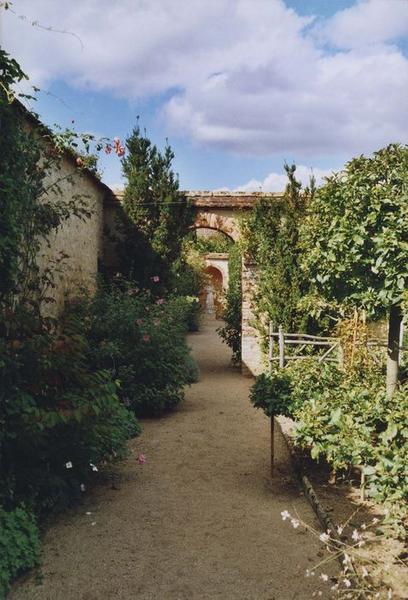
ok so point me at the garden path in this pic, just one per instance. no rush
(199, 520)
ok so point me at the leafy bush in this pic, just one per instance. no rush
(55, 410)
(19, 545)
(346, 418)
(231, 332)
(188, 278)
(273, 393)
(143, 344)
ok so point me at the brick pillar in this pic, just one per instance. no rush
(252, 359)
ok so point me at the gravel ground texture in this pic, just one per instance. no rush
(201, 519)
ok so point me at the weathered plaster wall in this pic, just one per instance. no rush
(253, 360)
(80, 240)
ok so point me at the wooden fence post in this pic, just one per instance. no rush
(281, 347)
(270, 345)
(272, 443)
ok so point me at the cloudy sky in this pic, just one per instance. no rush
(238, 86)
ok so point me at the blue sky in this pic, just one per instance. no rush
(238, 86)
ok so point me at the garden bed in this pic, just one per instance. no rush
(340, 503)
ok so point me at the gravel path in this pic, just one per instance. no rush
(200, 520)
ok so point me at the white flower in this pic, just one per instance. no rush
(94, 468)
(364, 572)
(88, 513)
(355, 535)
(295, 523)
(68, 465)
(324, 577)
(389, 595)
(93, 523)
(363, 526)
(375, 521)
(324, 537)
(285, 515)
(82, 487)
(339, 530)
(347, 583)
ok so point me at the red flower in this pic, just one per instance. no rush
(117, 146)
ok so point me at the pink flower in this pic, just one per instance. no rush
(117, 146)
(79, 161)
(141, 459)
(160, 301)
(139, 321)
(146, 338)
(155, 278)
(108, 149)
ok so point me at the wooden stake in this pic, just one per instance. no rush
(281, 347)
(270, 346)
(272, 444)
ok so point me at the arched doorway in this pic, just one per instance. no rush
(213, 292)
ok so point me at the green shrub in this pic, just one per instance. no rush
(19, 545)
(273, 394)
(231, 332)
(186, 311)
(143, 343)
(344, 418)
(55, 409)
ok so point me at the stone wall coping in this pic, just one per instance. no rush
(216, 255)
(220, 199)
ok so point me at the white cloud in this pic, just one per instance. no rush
(367, 22)
(249, 76)
(276, 182)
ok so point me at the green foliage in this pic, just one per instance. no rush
(154, 205)
(217, 242)
(271, 239)
(356, 233)
(188, 279)
(273, 394)
(54, 409)
(59, 417)
(19, 545)
(345, 418)
(231, 332)
(143, 344)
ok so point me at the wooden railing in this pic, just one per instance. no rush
(325, 349)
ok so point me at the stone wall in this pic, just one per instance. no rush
(80, 240)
